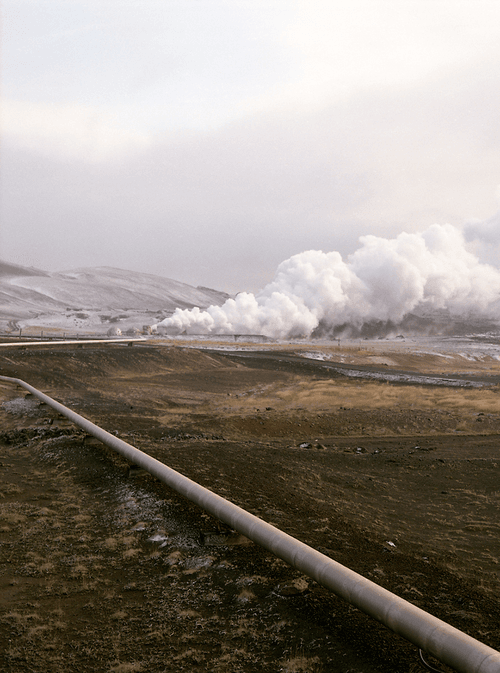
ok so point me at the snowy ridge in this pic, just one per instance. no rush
(39, 297)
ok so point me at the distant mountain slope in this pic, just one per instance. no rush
(10, 270)
(26, 292)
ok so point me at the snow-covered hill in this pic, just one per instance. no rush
(92, 299)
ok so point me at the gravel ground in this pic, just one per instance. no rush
(102, 568)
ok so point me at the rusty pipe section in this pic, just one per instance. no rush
(446, 643)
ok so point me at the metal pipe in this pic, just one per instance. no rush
(78, 342)
(449, 645)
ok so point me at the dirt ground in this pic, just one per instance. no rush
(103, 568)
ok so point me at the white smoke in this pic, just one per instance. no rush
(383, 280)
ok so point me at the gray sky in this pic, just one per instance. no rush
(209, 140)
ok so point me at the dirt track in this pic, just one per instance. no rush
(106, 570)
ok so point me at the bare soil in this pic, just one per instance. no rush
(102, 568)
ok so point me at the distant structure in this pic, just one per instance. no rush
(249, 338)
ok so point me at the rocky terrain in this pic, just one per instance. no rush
(105, 569)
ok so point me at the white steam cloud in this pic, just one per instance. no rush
(383, 280)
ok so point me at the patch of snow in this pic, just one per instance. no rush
(316, 355)
(412, 378)
(435, 353)
(22, 406)
(469, 357)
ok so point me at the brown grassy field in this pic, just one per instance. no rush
(105, 569)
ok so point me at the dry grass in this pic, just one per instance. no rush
(302, 664)
(330, 394)
(379, 395)
(132, 667)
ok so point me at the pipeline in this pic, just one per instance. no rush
(71, 342)
(430, 634)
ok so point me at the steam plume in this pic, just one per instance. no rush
(383, 280)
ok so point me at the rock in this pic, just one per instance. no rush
(294, 588)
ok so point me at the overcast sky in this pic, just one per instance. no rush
(209, 140)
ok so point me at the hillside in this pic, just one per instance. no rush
(89, 298)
